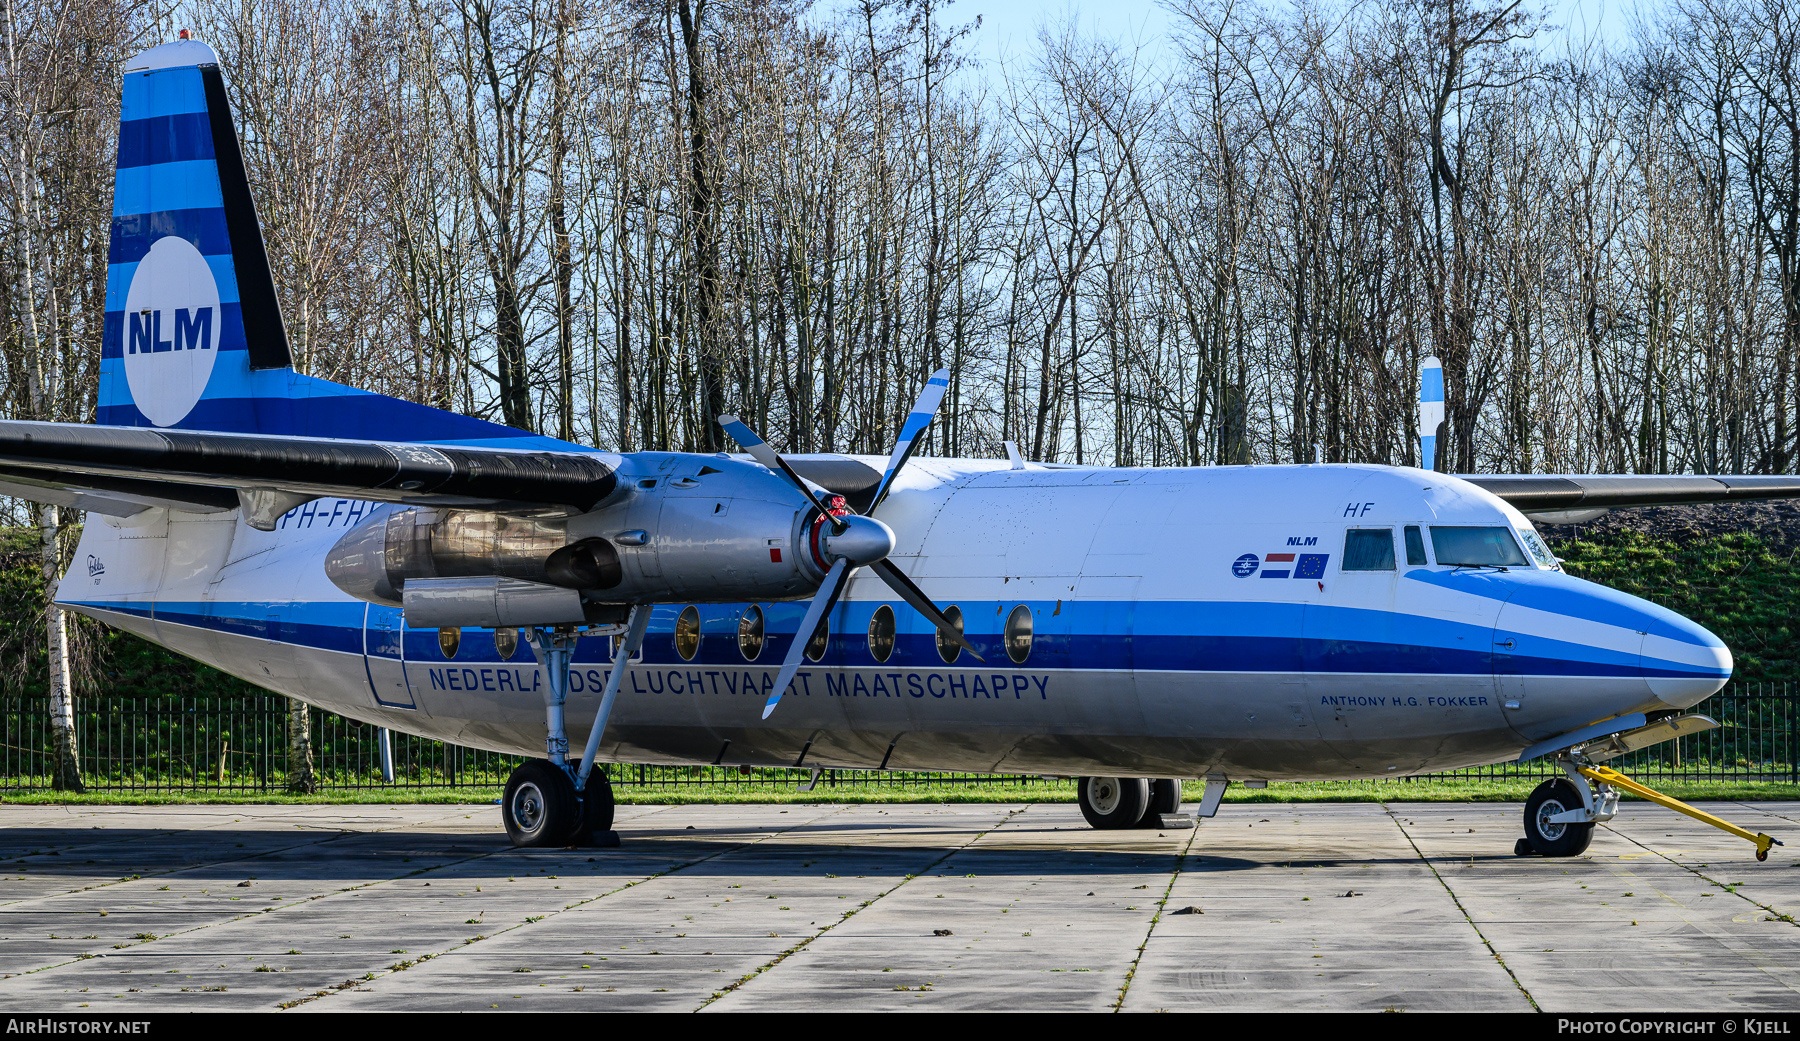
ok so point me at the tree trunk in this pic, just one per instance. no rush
(702, 228)
(67, 767)
(301, 780)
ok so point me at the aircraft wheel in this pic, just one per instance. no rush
(1555, 840)
(1165, 798)
(539, 807)
(1113, 802)
(596, 812)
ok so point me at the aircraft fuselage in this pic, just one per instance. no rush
(1181, 622)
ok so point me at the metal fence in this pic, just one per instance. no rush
(181, 744)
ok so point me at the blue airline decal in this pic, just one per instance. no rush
(1186, 636)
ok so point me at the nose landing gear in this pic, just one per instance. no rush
(1561, 813)
(1546, 832)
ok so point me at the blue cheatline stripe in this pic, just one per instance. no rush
(1572, 597)
(1088, 636)
(133, 234)
(279, 401)
(164, 92)
(119, 276)
(1431, 384)
(228, 332)
(167, 186)
(176, 138)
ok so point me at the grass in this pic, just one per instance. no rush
(1738, 586)
(1459, 790)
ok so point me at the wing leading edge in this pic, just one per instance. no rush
(1560, 498)
(124, 470)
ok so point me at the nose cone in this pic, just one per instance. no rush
(1582, 651)
(864, 540)
(1683, 662)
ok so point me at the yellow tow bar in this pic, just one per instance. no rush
(1617, 779)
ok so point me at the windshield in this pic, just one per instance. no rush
(1539, 552)
(1476, 547)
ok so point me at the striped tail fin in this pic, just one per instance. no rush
(1431, 411)
(194, 335)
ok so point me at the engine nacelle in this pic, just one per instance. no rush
(691, 529)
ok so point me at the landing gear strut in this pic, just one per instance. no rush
(553, 802)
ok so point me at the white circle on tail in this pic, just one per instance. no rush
(171, 334)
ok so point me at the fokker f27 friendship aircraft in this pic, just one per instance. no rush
(1131, 627)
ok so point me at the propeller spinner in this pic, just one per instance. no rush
(855, 540)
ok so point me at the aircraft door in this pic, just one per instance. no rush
(1350, 637)
(384, 654)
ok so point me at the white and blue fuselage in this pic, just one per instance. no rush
(1182, 622)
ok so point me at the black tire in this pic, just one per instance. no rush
(1555, 840)
(539, 808)
(1165, 798)
(1113, 802)
(596, 808)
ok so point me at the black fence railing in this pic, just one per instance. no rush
(180, 744)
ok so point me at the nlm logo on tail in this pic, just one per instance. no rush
(171, 314)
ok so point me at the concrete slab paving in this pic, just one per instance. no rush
(887, 907)
(1636, 911)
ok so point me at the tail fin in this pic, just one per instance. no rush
(1431, 411)
(194, 336)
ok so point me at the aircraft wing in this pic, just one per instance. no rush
(125, 470)
(1583, 496)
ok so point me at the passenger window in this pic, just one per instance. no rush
(881, 633)
(1369, 549)
(750, 632)
(1018, 634)
(687, 633)
(1415, 545)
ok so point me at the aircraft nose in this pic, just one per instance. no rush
(1683, 662)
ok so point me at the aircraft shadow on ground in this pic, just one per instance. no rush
(311, 856)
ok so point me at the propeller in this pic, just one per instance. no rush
(855, 540)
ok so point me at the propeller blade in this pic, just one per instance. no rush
(924, 410)
(912, 594)
(822, 603)
(762, 453)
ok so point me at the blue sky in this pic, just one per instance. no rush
(1008, 26)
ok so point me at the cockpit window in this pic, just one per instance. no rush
(1476, 547)
(1415, 545)
(1534, 544)
(1369, 549)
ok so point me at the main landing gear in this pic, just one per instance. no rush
(553, 802)
(1130, 802)
(1561, 813)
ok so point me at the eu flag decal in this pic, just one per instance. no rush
(1311, 565)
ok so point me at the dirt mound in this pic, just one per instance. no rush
(1775, 522)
